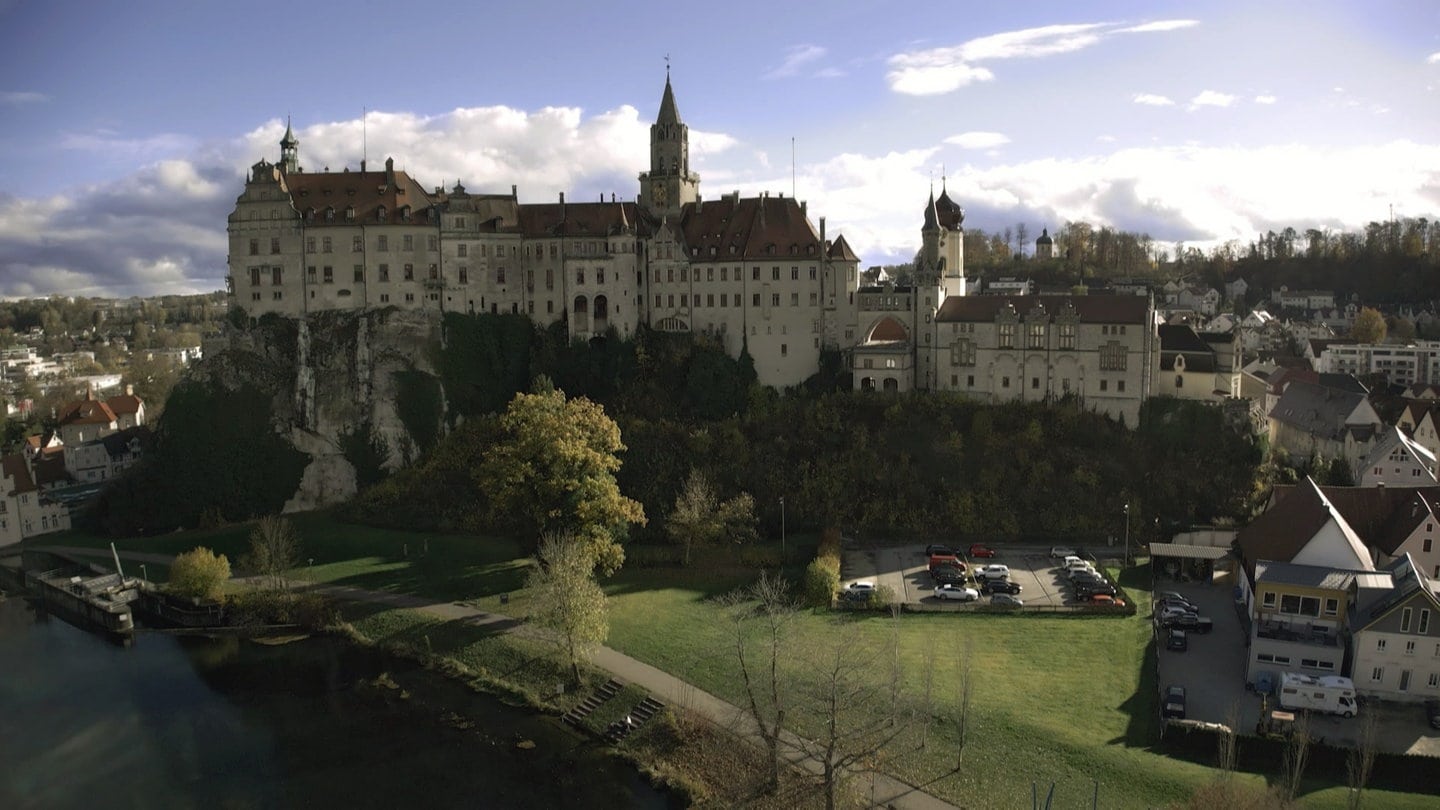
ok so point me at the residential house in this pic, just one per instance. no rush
(1397, 635)
(1410, 364)
(26, 510)
(1396, 461)
(1009, 285)
(1237, 289)
(89, 419)
(1192, 368)
(1300, 559)
(1311, 421)
(1204, 300)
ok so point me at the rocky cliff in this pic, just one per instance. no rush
(333, 376)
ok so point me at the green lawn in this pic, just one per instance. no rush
(1068, 700)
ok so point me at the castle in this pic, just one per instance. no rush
(753, 273)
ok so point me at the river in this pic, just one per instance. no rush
(170, 722)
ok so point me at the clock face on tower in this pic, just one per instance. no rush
(659, 194)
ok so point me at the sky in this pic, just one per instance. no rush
(126, 129)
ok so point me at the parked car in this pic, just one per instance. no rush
(992, 571)
(1168, 613)
(1075, 562)
(948, 574)
(1172, 595)
(994, 586)
(1432, 712)
(957, 593)
(1086, 575)
(1005, 600)
(1176, 641)
(858, 591)
(1061, 552)
(937, 548)
(981, 550)
(1108, 600)
(1176, 601)
(1187, 621)
(1173, 704)
(946, 559)
(1084, 589)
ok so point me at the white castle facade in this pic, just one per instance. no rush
(753, 273)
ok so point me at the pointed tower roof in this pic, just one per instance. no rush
(289, 140)
(932, 220)
(669, 113)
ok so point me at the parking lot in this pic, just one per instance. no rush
(905, 571)
(1212, 671)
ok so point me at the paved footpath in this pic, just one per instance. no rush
(887, 790)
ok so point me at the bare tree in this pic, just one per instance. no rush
(769, 604)
(1361, 759)
(274, 550)
(1227, 741)
(1297, 752)
(927, 699)
(568, 602)
(1022, 238)
(962, 706)
(852, 691)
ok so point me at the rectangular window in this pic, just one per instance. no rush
(309, 244)
(970, 380)
(1409, 648)
(550, 307)
(464, 276)
(1405, 620)
(462, 250)
(326, 245)
(1034, 382)
(755, 274)
(310, 273)
(1120, 385)
(784, 349)
(357, 244)
(1037, 335)
(500, 275)
(407, 242)
(409, 272)
(962, 353)
(430, 242)
(756, 300)
(684, 300)
(1377, 674)
(657, 301)
(254, 247)
(1380, 645)
(274, 245)
(382, 243)
(1434, 682)
(1268, 599)
(1004, 382)
(579, 276)
(710, 299)
(329, 275)
(1007, 335)
(774, 299)
(359, 274)
(385, 272)
(724, 274)
(1067, 335)
(794, 299)
(794, 274)
(1112, 356)
(1424, 622)
(671, 300)
(774, 274)
(1332, 607)
(1426, 547)
(812, 272)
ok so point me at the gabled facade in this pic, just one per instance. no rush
(1396, 461)
(1299, 619)
(26, 510)
(1311, 420)
(1397, 636)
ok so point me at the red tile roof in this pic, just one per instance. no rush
(751, 228)
(575, 219)
(1282, 530)
(366, 191)
(87, 412)
(14, 466)
(124, 405)
(840, 250)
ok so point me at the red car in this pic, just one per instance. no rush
(981, 550)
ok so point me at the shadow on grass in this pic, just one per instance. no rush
(1143, 730)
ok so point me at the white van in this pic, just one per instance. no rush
(1329, 693)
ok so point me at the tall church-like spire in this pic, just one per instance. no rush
(289, 150)
(669, 113)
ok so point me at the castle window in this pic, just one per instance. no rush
(580, 276)
(380, 213)
(462, 250)
(350, 213)
(385, 272)
(431, 242)
(274, 245)
(1067, 335)
(500, 275)
(1112, 356)
(774, 274)
(409, 272)
(795, 274)
(329, 275)
(434, 272)
(600, 276)
(962, 353)
(255, 276)
(359, 274)
(275, 276)
(326, 245)
(407, 242)
(1037, 335)
(382, 243)
(357, 244)
(1007, 336)
(309, 244)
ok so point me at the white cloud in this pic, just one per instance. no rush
(797, 57)
(109, 142)
(941, 70)
(1161, 25)
(1153, 100)
(16, 98)
(978, 140)
(1265, 99)
(1433, 59)
(1211, 98)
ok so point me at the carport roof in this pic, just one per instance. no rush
(1312, 576)
(1187, 551)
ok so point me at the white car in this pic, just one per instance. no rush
(992, 571)
(863, 586)
(956, 592)
(1169, 613)
(1062, 551)
(1077, 564)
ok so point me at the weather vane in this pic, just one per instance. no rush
(667, 67)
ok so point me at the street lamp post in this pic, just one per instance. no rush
(1127, 535)
(782, 531)
(143, 575)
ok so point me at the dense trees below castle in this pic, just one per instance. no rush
(924, 463)
(1384, 263)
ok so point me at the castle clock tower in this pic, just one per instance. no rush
(669, 184)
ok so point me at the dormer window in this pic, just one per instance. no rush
(329, 214)
(309, 214)
(350, 214)
(405, 213)
(380, 214)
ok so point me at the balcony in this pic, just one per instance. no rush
(1298, 632)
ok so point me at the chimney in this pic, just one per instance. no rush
(362, 164)
(129, 390)
(514, 194)
(822, 230)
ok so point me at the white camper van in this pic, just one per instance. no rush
(1328, 693)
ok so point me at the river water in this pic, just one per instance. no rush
(171, 722)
